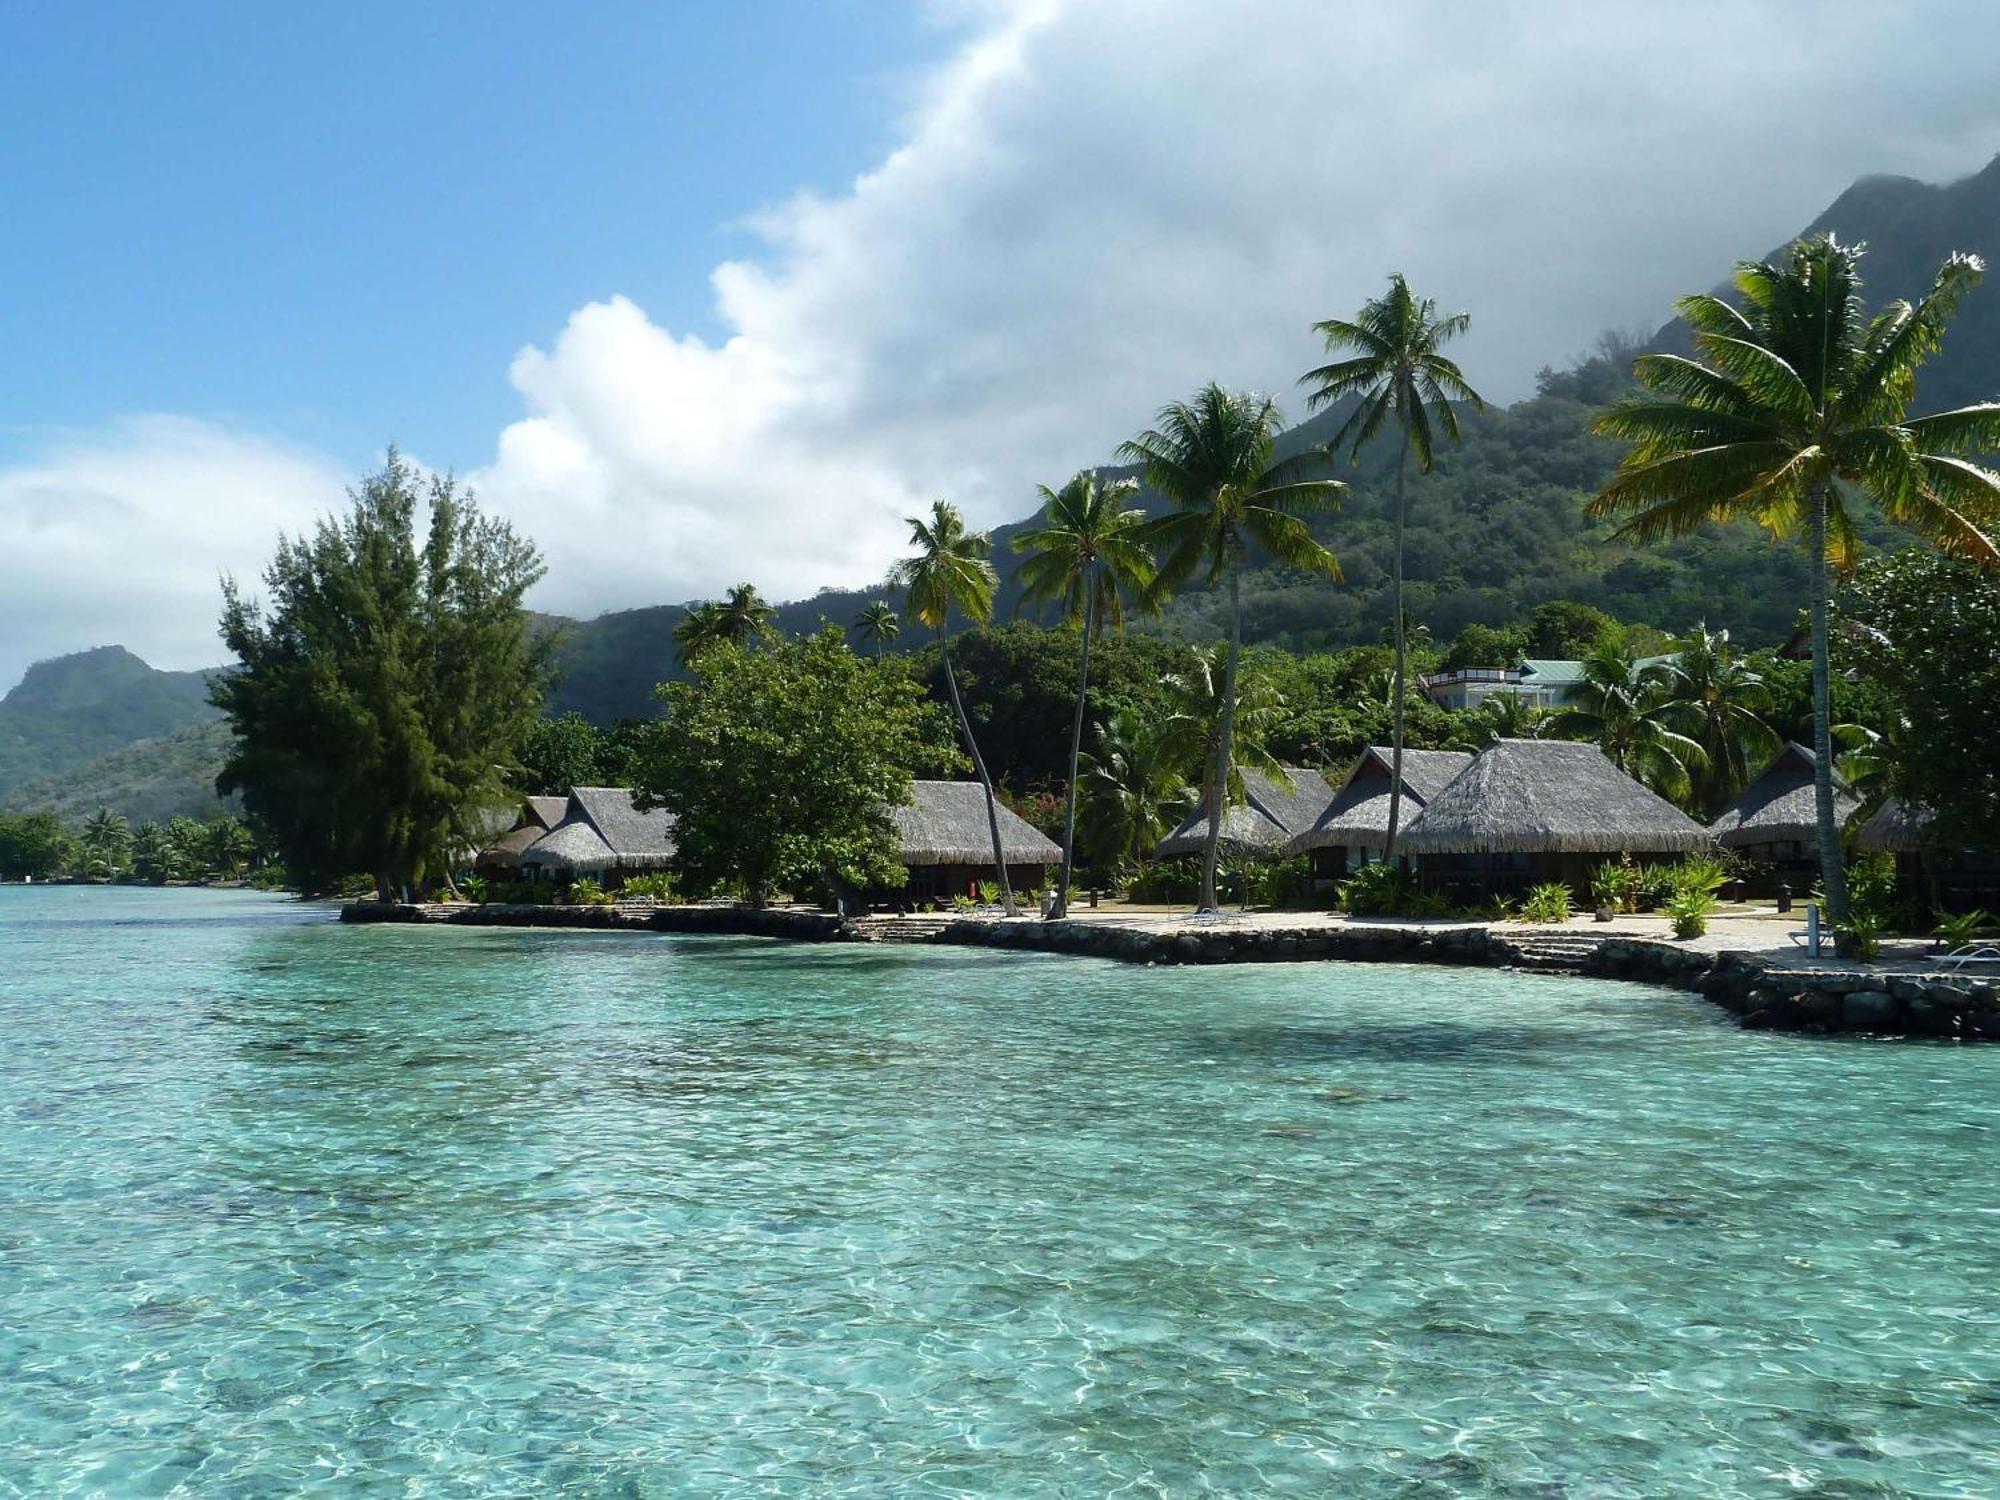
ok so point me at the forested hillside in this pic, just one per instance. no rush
(1497, 529)
(66, 712)
(148, 781)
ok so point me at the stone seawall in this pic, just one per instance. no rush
(1223, 944)
(1771, 997)
(739, 921)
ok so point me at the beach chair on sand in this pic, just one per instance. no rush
(1971, 956)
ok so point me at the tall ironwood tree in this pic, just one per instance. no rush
(384, 685)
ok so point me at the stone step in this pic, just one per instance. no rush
(915, 929)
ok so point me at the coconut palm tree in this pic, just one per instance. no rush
(1719, 701)
(1509, 716)
(951, 571)
(1791, 406)
(1133, 790)
(878, 624)
(739, 617)
(1621, 705)
(1213, 458)
(1086, 557)
(1197, 695)
(1396, 369)
(107, 841)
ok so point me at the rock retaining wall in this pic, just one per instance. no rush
(1236, 945)
(1766, 997)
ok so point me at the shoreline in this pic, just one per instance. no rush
(1762, 992)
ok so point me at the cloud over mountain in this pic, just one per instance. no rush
(1093, 207)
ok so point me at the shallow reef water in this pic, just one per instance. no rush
(291, 1208)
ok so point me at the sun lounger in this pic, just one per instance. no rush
(1971, 956)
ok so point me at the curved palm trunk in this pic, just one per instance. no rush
(1218, 795)
(1832, 874)
(985, 781)
(1061, 907)
(1396, 709)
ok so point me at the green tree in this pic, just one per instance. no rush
(1399, 372)
(1929, 638)
(106, 845)
(1719, 701)
(1485, 646)
(153, 854)
(879, 625)
(1793, 404)
(1621, 705)
(1133, 791)
(779, 767)
(1213, 458)
(1200, 695)
(739, 618)
(227, 847)
(1563, 630)
(378, 703)
(1087, 557)
(559, 752)
(952, 572)
(34, 846)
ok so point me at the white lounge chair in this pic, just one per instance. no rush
(1972, 955)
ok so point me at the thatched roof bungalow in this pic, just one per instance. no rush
(1957, 873)
(948, 847)
(1528, 811)
(1263, 825)
(602, 834)
(500, 853)
(1775, 815)
(1356, 818)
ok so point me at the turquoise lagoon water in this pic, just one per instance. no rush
(294, 1208)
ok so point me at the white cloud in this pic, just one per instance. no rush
(1098, 206)
(120, 535)
(1094, 208)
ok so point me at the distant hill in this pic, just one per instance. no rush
(1909, 228)
(1499, 528)
(1496, 530)
(69, 711)
(148, 781)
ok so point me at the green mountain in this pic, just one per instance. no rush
(149, 780)
(67, 712)
(1909, 228)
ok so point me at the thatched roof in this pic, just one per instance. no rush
(1896, 828)
(542, 812)
(1777, 806)
(944, 823)
(602, 830)
(1263, 823)
(1358, 815)
(1549, 797)
(505, 852)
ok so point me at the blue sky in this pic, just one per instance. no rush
(700, 294)
(340, 222)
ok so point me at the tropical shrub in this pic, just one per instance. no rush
(1547, 904)
(525, 893)
(1616, 886)
(657, 887)
(989, 893)
(1957, 932)
(1689, 911)
(1166, 880)
(1860, 936)
(473, 888)
(587, 892)
(1378, 890)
